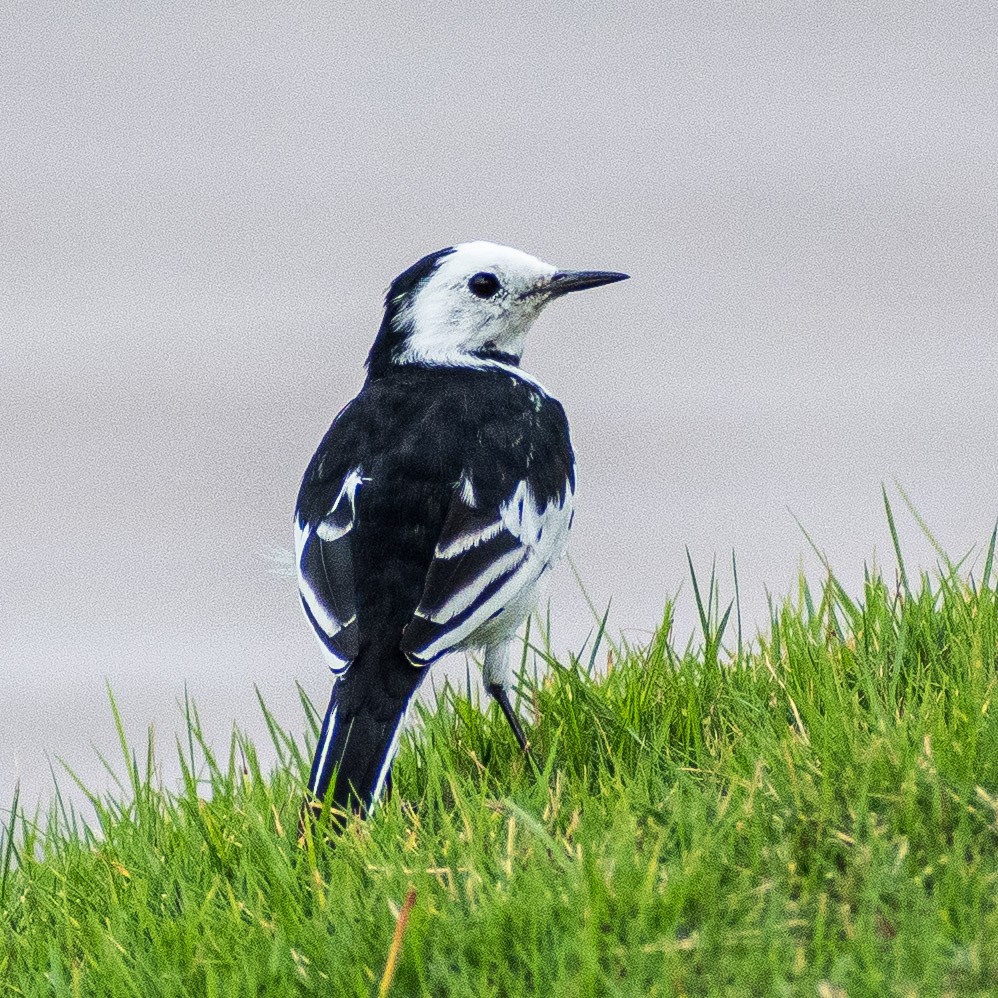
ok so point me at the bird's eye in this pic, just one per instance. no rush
(483, 285)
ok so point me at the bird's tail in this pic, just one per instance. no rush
(354, 754)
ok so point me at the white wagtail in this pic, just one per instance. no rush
(435, 502)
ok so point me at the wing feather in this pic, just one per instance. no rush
(486, 564)
(324, 559)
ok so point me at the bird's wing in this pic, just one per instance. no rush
(488, 560)
(325, 574)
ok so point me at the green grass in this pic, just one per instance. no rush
(812, 812)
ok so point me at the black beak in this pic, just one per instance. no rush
(578, 280)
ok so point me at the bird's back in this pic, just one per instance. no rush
(413, 435)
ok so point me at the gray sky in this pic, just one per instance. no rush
(201, 206)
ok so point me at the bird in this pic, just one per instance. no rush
(436, 502)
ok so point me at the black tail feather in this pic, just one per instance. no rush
(353, 756)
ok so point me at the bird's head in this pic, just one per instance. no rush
(471, 301)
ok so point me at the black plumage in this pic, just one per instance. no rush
(415, 433)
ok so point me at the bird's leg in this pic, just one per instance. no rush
(498, 678)
(502, 698)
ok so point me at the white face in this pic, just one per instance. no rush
(481, 297)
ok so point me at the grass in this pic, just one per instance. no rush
(813, 812)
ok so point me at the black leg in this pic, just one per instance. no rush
(502, 698)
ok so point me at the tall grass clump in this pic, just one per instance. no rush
(811, 812)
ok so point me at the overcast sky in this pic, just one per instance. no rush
(201, 206)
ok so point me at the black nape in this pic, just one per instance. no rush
(491, 352)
